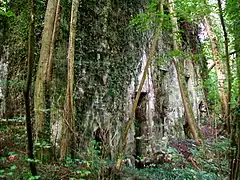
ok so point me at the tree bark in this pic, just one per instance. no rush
(48, 81)
(235, 139)
(28, 86)
(55, 28)
(68, 136)
(179, 65)
(41, 125)
(229, 76)
(219, 69)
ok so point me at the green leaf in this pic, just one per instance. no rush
(37, 144)
(47, 147)
(7, 13)
(13, 167)
(10, 173)
(34, 177)
(2, 171)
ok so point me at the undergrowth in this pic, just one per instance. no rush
(14, 162)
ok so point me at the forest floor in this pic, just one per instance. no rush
(182, 160)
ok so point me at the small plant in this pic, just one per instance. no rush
(97, 163)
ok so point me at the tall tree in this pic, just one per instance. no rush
(179, 65)
(221, 76)
(235, 167)
(229, 76)
(50, 63)
(28, 85)
(235, 135)
(48, 81)
(43, 127)
(68, 136)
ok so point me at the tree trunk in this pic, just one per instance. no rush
(235, 138)
(42, 126)
(28, 86)
(68, 136)
(55, 28)
(219, 69)
(179, 65)
(48, 83)
(229, 76)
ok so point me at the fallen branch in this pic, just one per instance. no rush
(190, 159)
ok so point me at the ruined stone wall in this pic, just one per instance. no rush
(164, 113)
(110, 59)
(106, 61)
(4, 55)
(3, 78)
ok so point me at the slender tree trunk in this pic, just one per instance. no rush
(237, 157)
(219, 69)
(28, 86)
(48, 82)
(229, 76)
(42, 126)
(235, 138)
(134, 106)
(68, 136)
(55, 28)
(179, 65)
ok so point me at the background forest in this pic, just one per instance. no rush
(114, 89)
